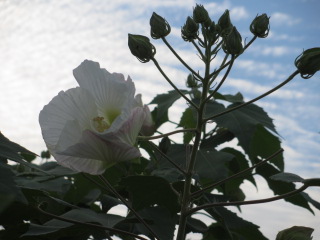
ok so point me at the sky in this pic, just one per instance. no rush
(42, 41)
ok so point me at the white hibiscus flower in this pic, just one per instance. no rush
(91, 127)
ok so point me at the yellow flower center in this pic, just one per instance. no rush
(100, 124)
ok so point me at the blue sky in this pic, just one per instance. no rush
(41, 42)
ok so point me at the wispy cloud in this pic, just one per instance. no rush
(274, 51)
(280, 18)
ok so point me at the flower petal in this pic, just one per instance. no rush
(129, 129)
(148, 126)
(101, 153)
(111, 91)
(75, 104)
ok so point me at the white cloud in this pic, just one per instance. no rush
(258, 89)
(279, 18)
(275, 51)
(236, 12)
(270, 70)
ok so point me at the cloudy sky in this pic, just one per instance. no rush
(41, 42)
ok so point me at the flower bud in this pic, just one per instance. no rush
(308, 62)
(159, 26)
(232, 43)
(190, 30)
(191, 82)
(164, 144)
(141, 47)
(200, 14)
(213, 32)
(225, 22)
(260, 26)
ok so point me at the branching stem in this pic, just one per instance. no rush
(255, 99)
(180, 59)
(143, 138)
(239, 203)
(172, 85)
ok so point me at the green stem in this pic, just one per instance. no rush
(239, 203)
(180, 59)
(186, 197)
(194, 194)
(125, 202)
(225, 65)
(222, 80)
(199, 50)
(255, 99)
(217, 74)
(89, 224)
(172, 85)
(143, 138)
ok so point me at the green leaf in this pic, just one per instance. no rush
(287, 177)
(231, 226)
(163, 222)
(147, 191)
(278, 187)
(310, 200)
(212, 164)
(196, 226)
(241, 122)
(264, 144)
(188, 120)
(220, 137)
(158, 118)
(295, 233)
(13, 151)
(164, 102)
(81, 215)
(238, 164)
(9, 192)
(108, 202)
(237, 98)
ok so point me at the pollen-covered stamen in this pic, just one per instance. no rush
(100, 124)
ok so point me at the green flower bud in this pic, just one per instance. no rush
(141, 47)
(165, 144)
(213, 32)
(200, 14)
(232, 43)
(260, 26)
(159, 26)
(308, 62)
(191, 82)
(225, 22)
(190, 30)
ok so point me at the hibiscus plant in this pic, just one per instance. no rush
(94, 182)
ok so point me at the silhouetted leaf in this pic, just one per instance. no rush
(287, 177)
(147, 191)
(295, 233)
